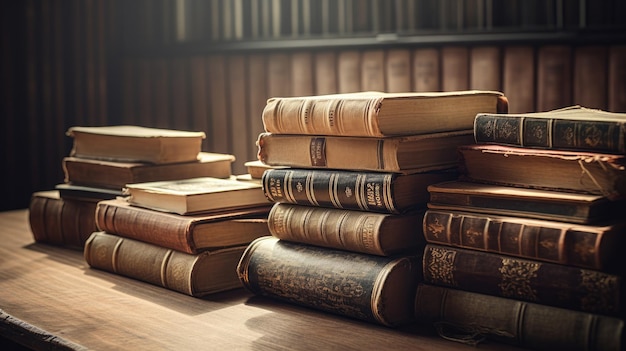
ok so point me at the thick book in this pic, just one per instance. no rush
(574, 128)
(372, 288)
(356, 231)
(135, 144)
(196, 275)
(62, 222)
(527, 280)
(522, 202)
(186, 233)
(393, 154)
(115, 175)
(256, 168)
(378, 114)
(351, 190)
(583, 172)
(587, 246)
(87, 193)
(470, 317)
(196, 195)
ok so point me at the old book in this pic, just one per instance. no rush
(398, 71)
(590, 81)
(356, 231)
(196, 275)
(325, 72)
(188, 233)
(426, 69)
(87, 193)
(57, 221)
(583, 172)
(373, 70)
(135, 144)
(256, 168)
(455, 68)
(468, 316)
(587, 246)
(351, 190)
(378, 114)
(393, 154)
(485, 70)
(573, 128)
(115, 175)
(348, 71)
(554, 77)
(518, 77)
(367, 287)
(522, 202)
(195, 195)
(527, 280)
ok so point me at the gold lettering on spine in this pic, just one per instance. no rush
(517, 277)
(288, 187)
(441, 266)
(360, 191)
(388, 193)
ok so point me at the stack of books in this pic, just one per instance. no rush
(526, 247)
(183, 221)
(348, 176)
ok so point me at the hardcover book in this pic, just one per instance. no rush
(527, 280)
(196, 275)
(62, 222)
(367, 287)
(522, 202)
(357, 231)
(593, 247)
(472, 317)
(196, 195)
(377, 114)
(186, 233)
(582, 172)
(135, 144)
(256, 168)
(115, 175)
(351, 190)
(87, 193)
(394, 154)
(575, 128)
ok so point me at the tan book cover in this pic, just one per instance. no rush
(485, 68)
(455, 68)
(326, 73)
(426, 70)
(196, 195)
(373, 70)
(135, 143)
(348, 71)
(398, 71)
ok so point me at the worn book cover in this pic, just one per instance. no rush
(195, 195)
(379, 114)
(527, 280)
(423, 152)
(588, 246)
(472, 318)
(196, 275)
(131, 143)
(372, 288)
(187, 233)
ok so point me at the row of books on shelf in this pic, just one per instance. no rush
(526, 223)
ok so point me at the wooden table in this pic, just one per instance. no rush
(51, 299)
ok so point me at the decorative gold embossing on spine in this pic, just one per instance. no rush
(517, 278)
(440, 266)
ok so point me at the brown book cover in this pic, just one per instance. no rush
(518, 78)
(426, 70)
(587, 246)
(485, 68)
(372, 288)
(398, 71)
(455, 67)
(526, 280)
(62, 222)
(301, 74)
(554, 77)
(394, 154)
(616, 79)
(326, 73)
(373, 70)
(379, 114)
(356, 231)
(256, 168)
(196, 275)
(573, 128)
(583, 172)
(279, 80)
(188, 233)
(471, 317)
(348, 71)
(115, 175)
(351, 190)
(523, 202)
(135, 144)
(196, 195)
(591, 76)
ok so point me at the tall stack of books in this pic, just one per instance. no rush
(348, 178)
(526, 247)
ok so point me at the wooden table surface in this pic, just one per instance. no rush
(52, 290)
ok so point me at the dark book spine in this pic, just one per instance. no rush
(333, 189)
(568, 246)
(458, 313)
(148, 226)
(526, 280)
(367, 287)
(550, 133)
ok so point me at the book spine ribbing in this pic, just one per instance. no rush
(550, 133)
